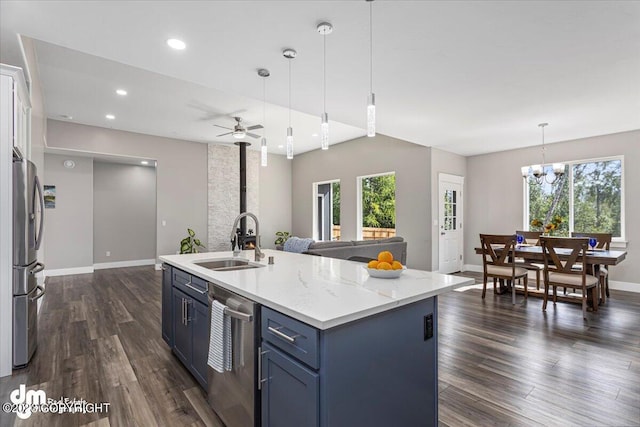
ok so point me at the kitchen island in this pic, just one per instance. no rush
(335, 346)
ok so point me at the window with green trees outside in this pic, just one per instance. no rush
(589, 197)
(378, 206)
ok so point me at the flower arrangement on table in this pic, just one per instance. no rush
(550, 227)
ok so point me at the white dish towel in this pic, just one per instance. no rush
(220, 356)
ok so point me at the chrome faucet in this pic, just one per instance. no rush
(258, 255)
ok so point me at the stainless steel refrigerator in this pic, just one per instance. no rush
(28, 210)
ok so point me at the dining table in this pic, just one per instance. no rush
(594, 258)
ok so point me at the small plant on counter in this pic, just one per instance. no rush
(190, 244)
(282, 237)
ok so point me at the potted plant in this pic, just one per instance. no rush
(282, 237)
(190, 244)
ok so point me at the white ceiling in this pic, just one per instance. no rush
(467, 77)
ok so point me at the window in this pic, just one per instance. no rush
(589, 197)
(326, 217)
(450, 210)
(376, 206)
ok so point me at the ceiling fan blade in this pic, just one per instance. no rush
(223, 134)
(253, 135)
(223, 127)
(254, 127)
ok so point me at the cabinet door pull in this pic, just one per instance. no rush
(282, 335)
(184, 321)
(187, 319)
(260, 379)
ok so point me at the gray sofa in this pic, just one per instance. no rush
(360, 248)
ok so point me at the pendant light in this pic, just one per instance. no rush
(324, 29)
(538, 170)
(264, 73)
(371, 100)
(289, 54)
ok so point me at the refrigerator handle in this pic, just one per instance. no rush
(40, 295)
(41, 200)
(37, 268)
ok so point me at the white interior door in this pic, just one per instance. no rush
(450, 242)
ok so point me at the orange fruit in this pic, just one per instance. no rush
(373, 264)
(396, 265)
(384, 266)
(385, 256)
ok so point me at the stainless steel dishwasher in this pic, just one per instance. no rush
(233, 395)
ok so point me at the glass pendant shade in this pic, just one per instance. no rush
(263, 152)
(324, 131)
(371, 115)
(289, 143)
(525, 171)
(537, 170)
(558, 168)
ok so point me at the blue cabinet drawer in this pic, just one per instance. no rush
(191, 285)
(292, 336)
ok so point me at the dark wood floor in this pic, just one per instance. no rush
(100, 340)
(499, 364)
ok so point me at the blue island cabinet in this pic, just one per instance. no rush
(167, 322)
(380, 370)
(188, 313)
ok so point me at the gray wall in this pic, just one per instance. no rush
(494, 190)
(275, 199)
(124, 212)
(181, 173)
(69, 226)
(452, 164)
(365, 156)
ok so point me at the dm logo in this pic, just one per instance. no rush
(25, 400)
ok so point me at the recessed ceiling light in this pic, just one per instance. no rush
(281, 146)
(176, 44)
(144, 162)
(65, 116)
(121, 92)
(69, 164)
(314, 135)
(110, 116)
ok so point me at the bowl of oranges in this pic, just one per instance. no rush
(385, 267)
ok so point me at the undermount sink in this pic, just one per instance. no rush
(227, 264)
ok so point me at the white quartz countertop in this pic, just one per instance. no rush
(320, 291)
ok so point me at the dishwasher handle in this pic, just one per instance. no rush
(238, 315)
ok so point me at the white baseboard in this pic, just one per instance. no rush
(68, 271)
(472, 267)
(624, 286)
(119, 264)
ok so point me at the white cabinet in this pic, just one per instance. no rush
(16, 108)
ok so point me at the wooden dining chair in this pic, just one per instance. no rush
(498, 262)
(604, 243)
(562, 273)
(531, 238)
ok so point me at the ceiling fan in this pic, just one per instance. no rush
(238, 131)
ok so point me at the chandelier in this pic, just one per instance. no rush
(538, 170)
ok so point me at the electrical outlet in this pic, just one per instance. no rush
(108, 253)
(428, 326)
